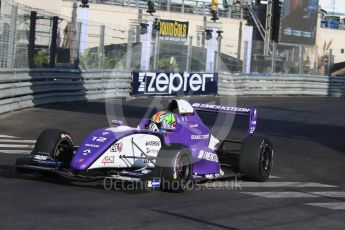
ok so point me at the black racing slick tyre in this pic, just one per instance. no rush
(256, 159)
(58, 144)
(174, 168)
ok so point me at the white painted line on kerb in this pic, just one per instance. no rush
(281, 194)
(271, 184)
(330, 205)
(16, 146)
(6, 136)
(11, 151)
(17, 141)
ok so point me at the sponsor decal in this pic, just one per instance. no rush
(220, 107)
(41, 157)
(108, 160)
(86, 152)
(208, 156)
(200, 137)
(116, 148)
(152, 151)
(193, 126)
(151, 83)
(92, 145)
(105, 133)
(81, 160)
(173, 30)
(153, 143)
(99, 139)
(156, 183)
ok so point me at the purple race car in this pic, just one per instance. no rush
(167, 151)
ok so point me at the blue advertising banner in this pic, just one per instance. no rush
(170, 84)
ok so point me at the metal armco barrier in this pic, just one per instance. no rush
(24, 89)
(281, 85)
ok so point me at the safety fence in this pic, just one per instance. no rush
(27, 88)
(50, 40)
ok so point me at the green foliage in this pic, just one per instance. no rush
(166, 64)
(41, 58)
(89, 59)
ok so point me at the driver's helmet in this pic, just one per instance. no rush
(162, 121)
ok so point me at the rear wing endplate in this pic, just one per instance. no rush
(250, 112)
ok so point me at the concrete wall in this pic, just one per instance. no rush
(338, 42)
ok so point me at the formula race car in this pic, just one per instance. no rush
(167, 151)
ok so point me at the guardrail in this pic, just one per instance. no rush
(26, 88)
(281, 85)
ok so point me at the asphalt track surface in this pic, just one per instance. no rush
(307, 190)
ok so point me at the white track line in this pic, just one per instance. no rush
(17, 141)
(10, 151)
(275, 177)
(337, 194)
(6, 136)
(330, 205)
(331, 194)
(281, 194)
(16, 146)
(271, 184)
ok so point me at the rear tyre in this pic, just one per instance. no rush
(58, 144)
(174, 169)
(256, 159)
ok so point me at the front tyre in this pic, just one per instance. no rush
(56, 143)
(256, 159)
(174, 169)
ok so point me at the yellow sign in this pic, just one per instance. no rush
(173, 30)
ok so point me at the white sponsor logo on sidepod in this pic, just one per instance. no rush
(208, 156)
(200, 137)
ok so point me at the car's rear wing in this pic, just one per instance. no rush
(250, 112)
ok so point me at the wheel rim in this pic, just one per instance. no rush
(60, 149)
(183, 169)
(266, 161)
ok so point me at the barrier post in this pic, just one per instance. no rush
(244, 64)
(217, 64)
(168, 6)
(140, 18)
(76, 45)
(129, 49)
(301, 60)
(274, 56)
(32, 35)
(203, 38)
(12, 37)
(101, 48)
(156, 51)
(52, 50)
(239, 46)
(189, 54)
(329, 62)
